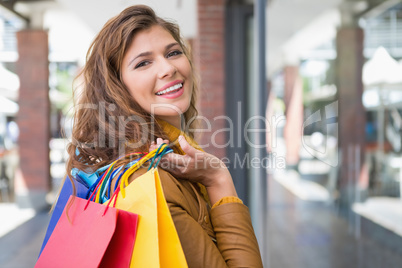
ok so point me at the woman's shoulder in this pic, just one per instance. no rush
(179, 192)
(187, 195)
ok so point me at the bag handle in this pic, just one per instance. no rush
(158, 156)
(108, 175)
(154, 154)
(114, 196)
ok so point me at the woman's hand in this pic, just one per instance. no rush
(198, 166)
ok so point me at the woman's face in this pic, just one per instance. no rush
(157, 74)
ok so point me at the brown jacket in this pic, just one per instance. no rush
(220, 237)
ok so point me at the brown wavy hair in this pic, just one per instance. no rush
(104, 104)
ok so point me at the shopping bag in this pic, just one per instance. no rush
(157, 243)
(82, 182)
(120, 249)
(92, 235)
(65, 193)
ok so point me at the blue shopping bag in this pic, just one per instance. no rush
(82, 191)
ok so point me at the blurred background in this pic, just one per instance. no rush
(328, 193)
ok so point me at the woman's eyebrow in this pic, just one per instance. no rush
(144, 54)
(171, 45)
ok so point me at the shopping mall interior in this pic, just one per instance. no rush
(327, 189)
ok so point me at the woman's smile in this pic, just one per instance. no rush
(171, 90)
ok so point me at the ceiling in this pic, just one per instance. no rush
(312, 23)
(96, 12)
(293, 26)
(280, 30)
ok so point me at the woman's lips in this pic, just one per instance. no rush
(169, 85)
(174, 94)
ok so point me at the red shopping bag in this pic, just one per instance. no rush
(93, 235)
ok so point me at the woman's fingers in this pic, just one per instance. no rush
(159, 141)
(175, 160)
(177, 164)
(154, 145)
(168, 161)
(191, 165)
(187, 148)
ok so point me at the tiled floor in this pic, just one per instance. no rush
(20, 247)
(301, 234)
(314, 234)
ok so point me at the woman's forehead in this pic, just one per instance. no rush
(156, 36)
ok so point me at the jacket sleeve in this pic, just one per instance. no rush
(235, 235)
(198, 247)
(236, 245)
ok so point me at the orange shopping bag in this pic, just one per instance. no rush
(157, 242)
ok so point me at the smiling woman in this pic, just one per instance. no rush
(138, 90)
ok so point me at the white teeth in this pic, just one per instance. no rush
(170, 89)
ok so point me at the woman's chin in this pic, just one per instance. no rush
(169, 110)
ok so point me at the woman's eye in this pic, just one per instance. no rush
(174, 53)
(142, 64)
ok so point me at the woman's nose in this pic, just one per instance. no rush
(166, 69)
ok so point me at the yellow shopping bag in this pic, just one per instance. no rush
(157, 243)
